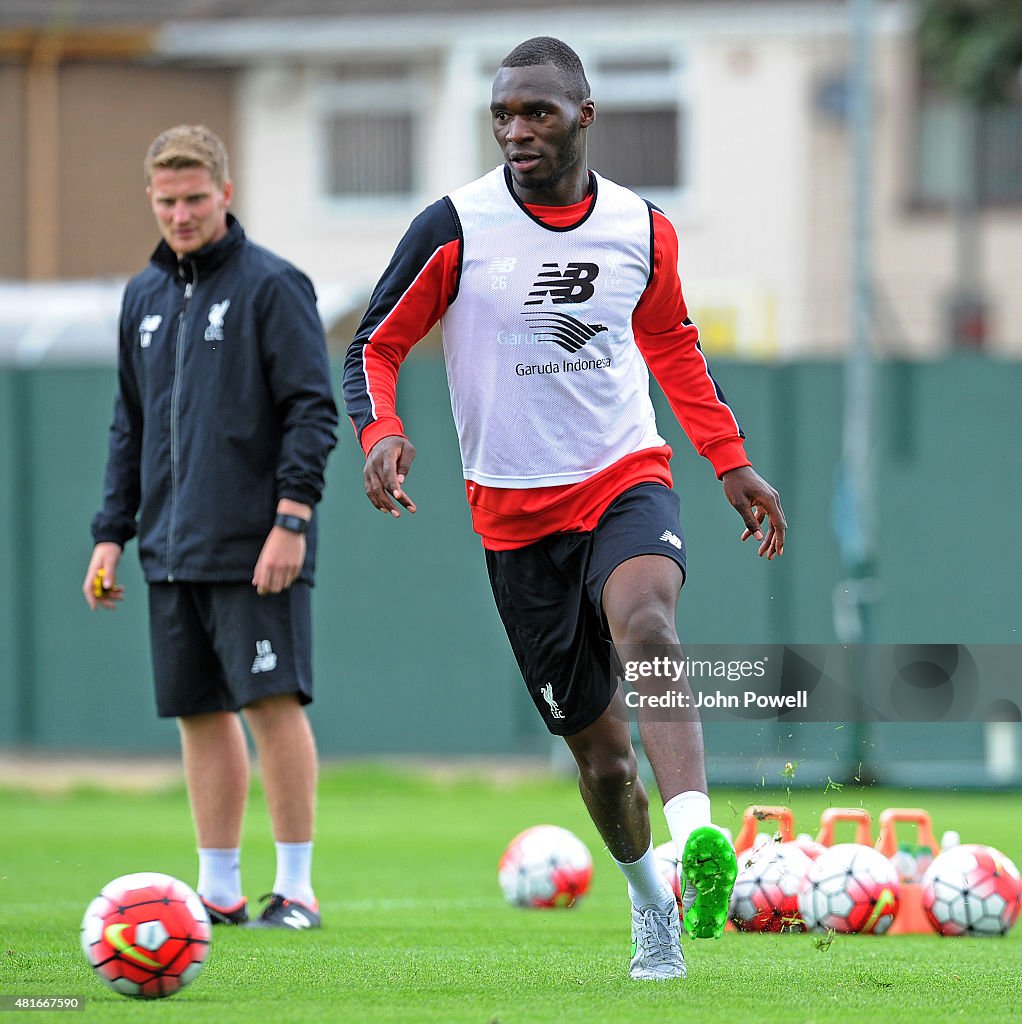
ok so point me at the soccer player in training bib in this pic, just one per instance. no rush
(557, 291)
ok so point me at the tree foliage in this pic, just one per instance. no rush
(973, 46)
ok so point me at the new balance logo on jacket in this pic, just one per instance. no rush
(147, 328)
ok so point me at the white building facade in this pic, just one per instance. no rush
(730, 117)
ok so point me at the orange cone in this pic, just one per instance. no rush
(911, 919)
(858, 815)
(754, 814)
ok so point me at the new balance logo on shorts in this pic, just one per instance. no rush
(265, 659)
(548, 695)
(672, 538)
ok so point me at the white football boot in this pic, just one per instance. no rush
(656, 943)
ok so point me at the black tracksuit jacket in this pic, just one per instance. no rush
(224, 406)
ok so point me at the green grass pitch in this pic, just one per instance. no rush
(416, 929)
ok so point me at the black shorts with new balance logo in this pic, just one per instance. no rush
(550, 598)
(222, 646)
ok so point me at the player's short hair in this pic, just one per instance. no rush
(188, 145)
(547, 50)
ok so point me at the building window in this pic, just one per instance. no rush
(1000, 152)
(369, 117)
(997, 150)
(638, 148)
(639, 139)
(368, 154)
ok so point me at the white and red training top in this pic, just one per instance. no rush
(550, 317)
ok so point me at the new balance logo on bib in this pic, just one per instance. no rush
(571, 285)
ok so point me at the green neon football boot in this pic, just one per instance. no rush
(709, 868)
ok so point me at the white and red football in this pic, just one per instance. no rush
(971, 890)
(545, 866)
(146, 935)
(850, 888)
(765, 896)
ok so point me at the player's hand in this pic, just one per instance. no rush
(280, 561)
(386, 467)
(755, 500)
(101, 586)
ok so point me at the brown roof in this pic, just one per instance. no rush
(90, 14)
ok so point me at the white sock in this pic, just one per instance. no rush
(685, 813)
(646, 886)
(294, 872)
(220, 876)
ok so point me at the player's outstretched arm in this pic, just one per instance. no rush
(101, 586)
(386, 467)
(755, 500)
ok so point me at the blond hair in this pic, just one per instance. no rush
(188, 145)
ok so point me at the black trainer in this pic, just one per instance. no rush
(238, 914)
(284, 913)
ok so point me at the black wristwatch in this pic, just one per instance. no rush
(293, 523)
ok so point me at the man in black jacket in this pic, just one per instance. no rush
(223, 422)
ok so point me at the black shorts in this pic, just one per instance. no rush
(220, 646)
(550, 598)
